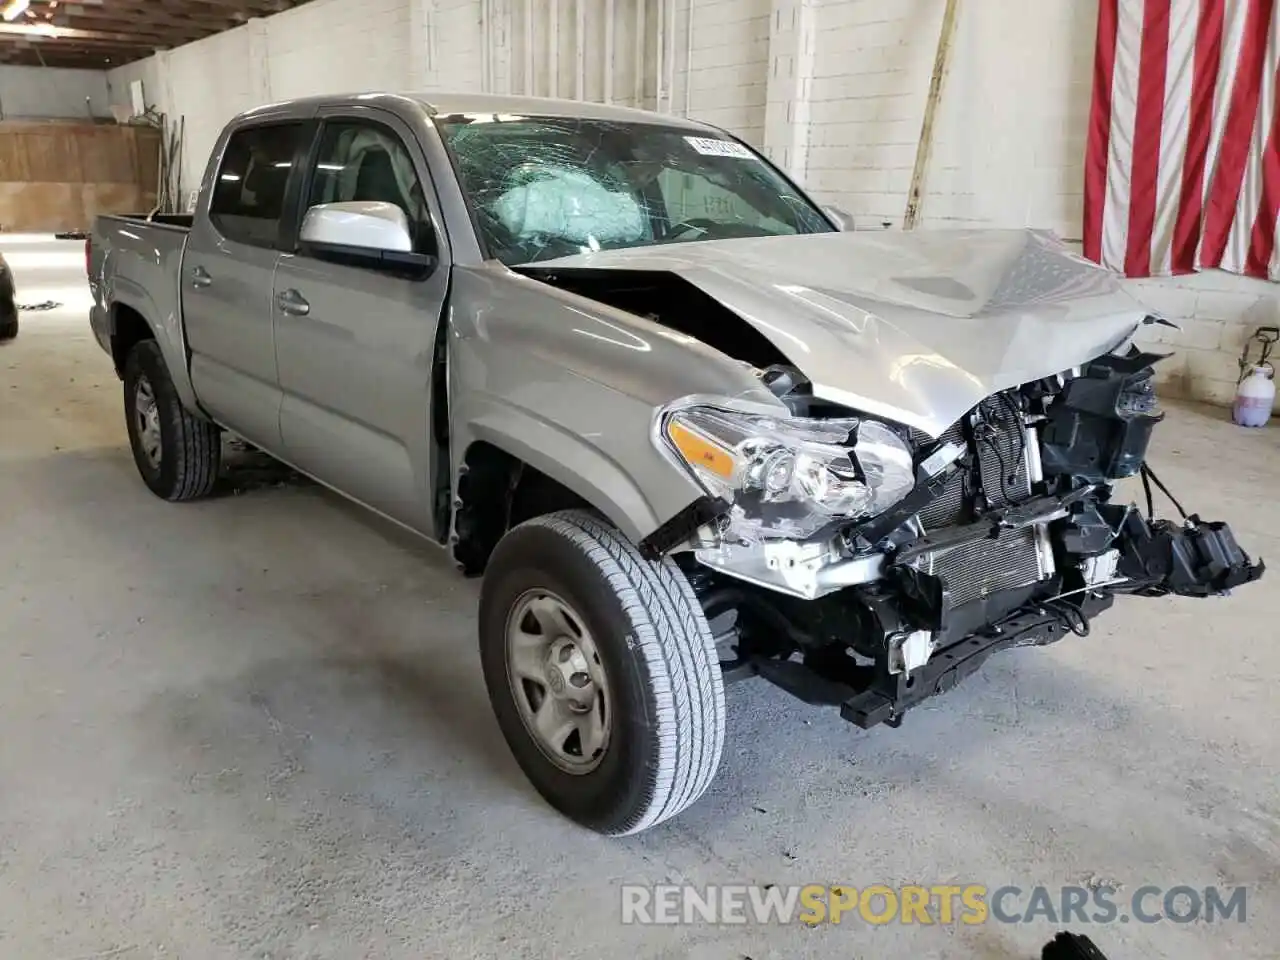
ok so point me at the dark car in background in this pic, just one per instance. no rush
(8, 305)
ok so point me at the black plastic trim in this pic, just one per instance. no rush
(682, 526)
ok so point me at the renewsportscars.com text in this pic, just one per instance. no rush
(881, 904)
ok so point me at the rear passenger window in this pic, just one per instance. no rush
(249, 193)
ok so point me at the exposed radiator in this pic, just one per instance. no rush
(986, 567)
(1002, 443)
(945, 511)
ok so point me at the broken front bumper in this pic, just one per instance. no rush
(868, 696)
(921, 644)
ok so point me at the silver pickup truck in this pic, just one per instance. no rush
(688, 429)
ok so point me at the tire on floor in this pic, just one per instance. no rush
(636, 631)
(179, 455)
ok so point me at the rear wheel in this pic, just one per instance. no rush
(178, 455)
(8, 322)
(602, 673)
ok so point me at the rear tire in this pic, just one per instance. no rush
(178, 455)
(648, 650)
(8, 323)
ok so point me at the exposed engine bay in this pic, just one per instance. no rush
(861, 563)
(1011, 536)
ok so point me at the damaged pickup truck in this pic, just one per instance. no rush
(687, 428)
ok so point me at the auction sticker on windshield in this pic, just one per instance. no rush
(710, 147)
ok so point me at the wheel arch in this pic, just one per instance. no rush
(511, 474)
(128, 328)
(132, 317)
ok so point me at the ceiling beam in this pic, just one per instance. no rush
(85, 32)
(126, 16)
(163, 35)
(47, 33)
(237, 5)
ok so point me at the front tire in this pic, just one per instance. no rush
(602, 672)
(178, 455)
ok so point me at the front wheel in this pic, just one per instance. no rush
(602, 672)
(178, 455)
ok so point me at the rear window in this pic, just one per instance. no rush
(250, 189)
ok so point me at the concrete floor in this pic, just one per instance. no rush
(255, 727)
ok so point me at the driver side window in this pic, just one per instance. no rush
(365, 161)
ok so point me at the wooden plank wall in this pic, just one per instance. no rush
(58, 176)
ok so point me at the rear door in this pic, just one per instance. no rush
(355, 344)
(228, 272)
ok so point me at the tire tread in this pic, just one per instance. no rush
(196, 451)
(671, 635)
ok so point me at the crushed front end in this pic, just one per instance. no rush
(861, 564)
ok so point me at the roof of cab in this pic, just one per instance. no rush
(441, 103)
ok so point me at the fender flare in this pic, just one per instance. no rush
(168, 334)
(594, 477)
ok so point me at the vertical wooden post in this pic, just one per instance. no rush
(924, 149)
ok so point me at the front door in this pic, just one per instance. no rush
(355, 345)
(227, 274)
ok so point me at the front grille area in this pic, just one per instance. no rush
(985, 567)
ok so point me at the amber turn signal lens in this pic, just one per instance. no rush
(701, 452)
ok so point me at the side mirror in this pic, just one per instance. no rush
(363, 233)
(842, 218)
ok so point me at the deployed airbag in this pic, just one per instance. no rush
(569, 205)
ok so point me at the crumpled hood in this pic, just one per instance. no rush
(915, 327)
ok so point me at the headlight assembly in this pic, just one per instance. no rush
(788, 477)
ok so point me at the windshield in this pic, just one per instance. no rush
(545, 187)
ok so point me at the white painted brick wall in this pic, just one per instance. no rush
(208, 82)
(459, 45)
(335, 46)
(837, 87)
(43, 92)
(119, 80)
(729, 65)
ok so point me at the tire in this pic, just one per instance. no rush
(8, 323)
(661, 674)
(189, 449)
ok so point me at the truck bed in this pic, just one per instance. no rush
(134, 265)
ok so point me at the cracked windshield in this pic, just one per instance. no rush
(547, 187)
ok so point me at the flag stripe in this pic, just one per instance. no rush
(1154, 47)
(1124, 118)
(1208, 55)
(1099, 144)
(1237, 17)
(1224, 194)
(1262, 236)
(1182, 166)
(1236, 255)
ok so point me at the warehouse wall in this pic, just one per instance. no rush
(834, 90)
(333, 46)
(49, 92)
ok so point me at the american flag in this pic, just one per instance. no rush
(1182, 170)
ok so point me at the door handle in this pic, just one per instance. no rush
(200, 277)
(293, 303)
